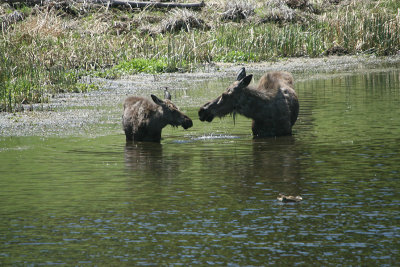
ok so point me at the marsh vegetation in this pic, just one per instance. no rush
(46, 49)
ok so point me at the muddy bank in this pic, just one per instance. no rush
(99, 112)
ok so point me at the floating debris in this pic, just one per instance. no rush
(284, 198)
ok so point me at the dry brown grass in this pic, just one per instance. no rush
(238, 10)
(277, 11)
(43, 25)
(182, 19)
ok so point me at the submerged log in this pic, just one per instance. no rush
(134, 4)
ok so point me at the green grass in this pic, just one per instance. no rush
(49, 50)
(236, 56)
(137, 65)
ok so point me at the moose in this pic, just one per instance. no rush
(272, 104)
(143, 120)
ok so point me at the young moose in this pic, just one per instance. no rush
(272, 104)
(143, 120)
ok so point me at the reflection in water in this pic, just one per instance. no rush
(277, 160)
(208, 196)
(143, 156)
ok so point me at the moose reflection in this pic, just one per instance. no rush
(144, 156)
(143, 120)
(272, 104)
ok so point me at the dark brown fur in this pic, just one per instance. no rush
(272, 104)
(143, 119)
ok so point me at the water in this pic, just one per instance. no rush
(208, 195)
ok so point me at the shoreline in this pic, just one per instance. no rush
(75, 114)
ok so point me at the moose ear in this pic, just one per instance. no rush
(241, 74)
(246, 81)
(157, 100)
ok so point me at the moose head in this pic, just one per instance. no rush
(228, 101)
(171, 114)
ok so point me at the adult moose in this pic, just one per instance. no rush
(143, 120)
(272, 104)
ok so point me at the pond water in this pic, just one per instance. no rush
(208, 195)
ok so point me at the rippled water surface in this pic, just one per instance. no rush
(208, 195)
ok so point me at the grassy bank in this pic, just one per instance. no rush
(45, 49)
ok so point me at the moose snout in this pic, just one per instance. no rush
(205, 114)
(187, 123)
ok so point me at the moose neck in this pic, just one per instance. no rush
(251, 102)
(161, 118)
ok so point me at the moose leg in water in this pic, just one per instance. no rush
(143, 120)
(272, 104)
